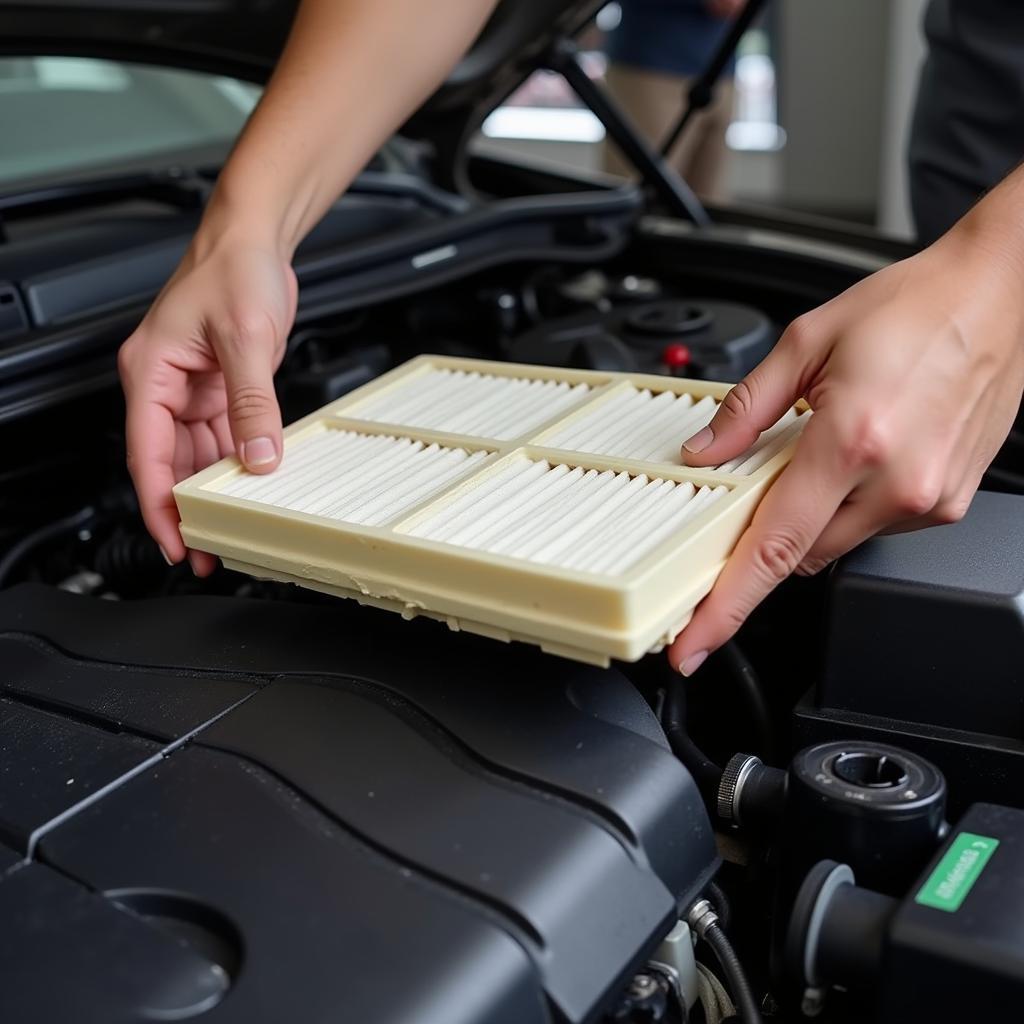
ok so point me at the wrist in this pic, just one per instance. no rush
(232, 222)
(272, 201)
(990, 237)
(976, 270)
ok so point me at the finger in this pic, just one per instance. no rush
(207, 399)
(981, 446)
(222, 432)
(948, 510)
(951, 508)
(247, 357)
(205, 448)
(184, 457)
(151, 445)
(894, 497)
(202, 562)
(753, 405)
(907, 499)
(789, 519)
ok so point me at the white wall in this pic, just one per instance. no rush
(831, 61)
(906, 52)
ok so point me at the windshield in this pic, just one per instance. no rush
(61, 115)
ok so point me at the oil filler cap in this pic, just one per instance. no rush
(875, 807)
(869, 778)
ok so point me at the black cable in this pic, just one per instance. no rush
(753, 692)
(702, 90)
(705, 772)
(130, 563)
(81, 518)
(736, 978)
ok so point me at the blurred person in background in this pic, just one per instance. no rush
(968, 127)
(654, 53)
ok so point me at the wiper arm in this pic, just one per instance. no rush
(180, 187)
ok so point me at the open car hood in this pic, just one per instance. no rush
(242, 38)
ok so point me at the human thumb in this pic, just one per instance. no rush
(752, 406)
(247, 362)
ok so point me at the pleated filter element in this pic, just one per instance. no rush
(472, 403)
(525, 503)
(641, 424)
(357, 478)
(569, 517)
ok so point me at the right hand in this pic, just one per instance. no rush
(198, 376)
(915, 376)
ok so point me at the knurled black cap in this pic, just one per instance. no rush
(735, 772)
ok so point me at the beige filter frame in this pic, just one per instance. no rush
(587, 616)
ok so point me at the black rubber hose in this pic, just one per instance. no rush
(753, 694)
(716, 896)
(736, 978)
(18, 551)
(705, 772)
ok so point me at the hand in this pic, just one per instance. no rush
(724, 8)
(198, 372)
(198, 377)
(914, 375)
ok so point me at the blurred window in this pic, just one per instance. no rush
(66, 114)
(755, 123)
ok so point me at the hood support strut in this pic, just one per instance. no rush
(653, 167)
(702, 91)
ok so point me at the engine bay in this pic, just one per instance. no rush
(238, 797)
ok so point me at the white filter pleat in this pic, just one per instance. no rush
(558, 496)
(355, 478)
(636, 424)
(478, 404)
(660, 526)
(566, 518)
(768, 445)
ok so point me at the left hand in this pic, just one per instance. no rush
(914, 375)
(198, 376)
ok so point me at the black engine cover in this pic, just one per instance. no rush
(267, 811)
(925, 649)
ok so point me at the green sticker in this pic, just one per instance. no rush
(961, 865)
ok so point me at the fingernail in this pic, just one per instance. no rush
(699, 441)
(167, 557)
(258, 452)
(692, 663)
(812, 566)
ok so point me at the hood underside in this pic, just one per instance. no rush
(243, 38)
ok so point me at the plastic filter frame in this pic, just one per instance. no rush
(520, 502)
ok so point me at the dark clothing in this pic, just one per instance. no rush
(968, 128)
(677, 37)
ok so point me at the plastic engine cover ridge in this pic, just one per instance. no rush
(319, 811)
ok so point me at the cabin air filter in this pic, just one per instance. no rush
(520, 502)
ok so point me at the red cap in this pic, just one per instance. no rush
(676, 356)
